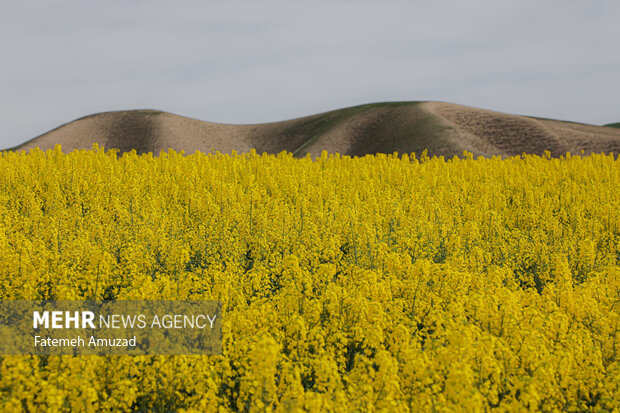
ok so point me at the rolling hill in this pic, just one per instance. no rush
(444, 129)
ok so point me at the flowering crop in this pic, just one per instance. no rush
(376, 283)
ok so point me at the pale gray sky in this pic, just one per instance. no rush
(270, 60)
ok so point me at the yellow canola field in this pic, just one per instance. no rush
(382, 283)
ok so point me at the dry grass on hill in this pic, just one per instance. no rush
(444, 129)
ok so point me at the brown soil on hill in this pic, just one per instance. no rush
(443, 129)
(494, 133)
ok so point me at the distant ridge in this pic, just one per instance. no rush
(614, 125)
(444, 129)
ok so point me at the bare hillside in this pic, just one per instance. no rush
(443, 129)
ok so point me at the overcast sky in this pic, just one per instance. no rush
(262, 61)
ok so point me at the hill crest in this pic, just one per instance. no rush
(444, 129)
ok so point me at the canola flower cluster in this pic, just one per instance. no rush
(381, 283)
